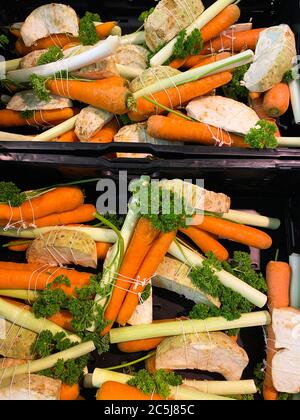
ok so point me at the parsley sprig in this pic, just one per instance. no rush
(234, 89)
(159, 382)
(87, 30)
(11, 194)
(53, 54)
(3, 41)
(144, 15)
(262, 136)
(187, 44)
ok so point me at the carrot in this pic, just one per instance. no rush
(154, 257)
(174, 97)
(234, 338)
(104, 29)
(19, 248)
(102, 249)
(177, 63)
(7, 265)
(69, 392)
(57, 40)
(206, 242)
(191, 132)
(257, 106)
(139, 246)
(116, 391)
(221, 22)
(15, 32)
(68, 137)
(238, 42)
(38, 278)
(212, 59)
(150, 365)
(70, 45)
(233, 231)
(277, 100)
(254, 95)
(58, 200)
(9, 118)
(278, 276)
(106, 134)
(109, 94)
(83, 213)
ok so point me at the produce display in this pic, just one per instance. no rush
(189, 75)
(85, 283)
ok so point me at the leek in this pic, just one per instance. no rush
(192, 259)
(137, 38)
(4, 136)
(56, 131)
(294, 261)
(197, 73)
(26, 319)
(10, 65)
(48, 362)
(23, 294)
(211, 12)
(90, 56)
(251, 219)
(100, 376)
(289, 141)
(97, 234)
(191, 326)
(295, 98)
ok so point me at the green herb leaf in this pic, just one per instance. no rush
(125, 120)
(53, 54)
(187, 45)
(48, 343)
(144, 15)
(70, 372)
(262, 136)
(87, 30)
(27, 114)
(146, 294)
(234, 89)
(115, 219)
(38, 85)
(288, 76)
(11, 194)
(159, 383)
(3, 41)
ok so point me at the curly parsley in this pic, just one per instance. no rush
(38, 85)
(27, 114)
(262, 136)
(159, 382)
(146, 293)
(53, 54)
(234, 89)
(87, 30)
(144, 15)
(3, 41)
(288, 76)
(11, 194)
(232, 303)
(187, 45)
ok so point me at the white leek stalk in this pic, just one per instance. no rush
(9, 65)
(295, 99)
(4, 136)
(100, 50)
(26, 319)
(136, 38)
(97, 234)
(48, 362)
(56, 131)
(23, 294)
(289, 141)
(211, 12)
(193, 259)
(100, 376)
(197, 73)
(294, 261)
(251, 219)
(191, 326)
(128, 72)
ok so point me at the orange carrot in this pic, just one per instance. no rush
(69, 392)
(150, 365)
(68, 137)
(139, 246)
(106, 134)
(177, 63)
(221, 22)
(19, 248)
(109, 94)
(104, 29)
(15, 31)
(238, 42)
(278, 276)
(257, 106)
(9, 118)
(102, 249)
(233, 231)
(166, 128)
(59, 200)
(148, 268)
(57, 40)
(70, 45)
(212, 59)
(174, 97)
(277, 100)
(39, 278)
(116, 391)
(7, 265)
(206, 242)
(254, 95)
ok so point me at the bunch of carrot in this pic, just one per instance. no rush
(9, 118)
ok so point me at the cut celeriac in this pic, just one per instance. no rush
(28, 101)
(89, 121)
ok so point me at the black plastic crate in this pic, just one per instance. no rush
(272, 189)
(262, 12)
